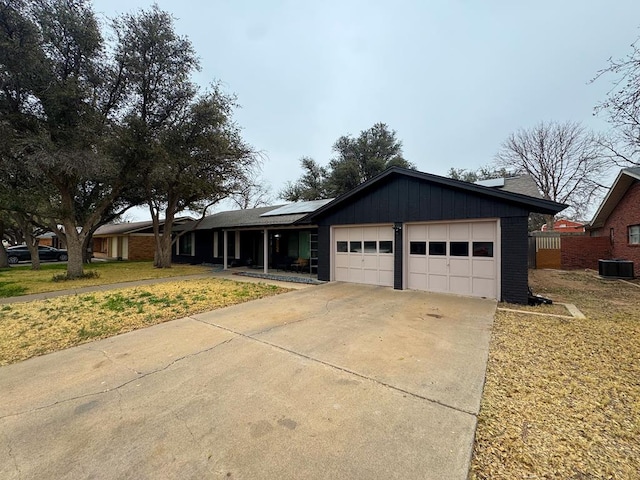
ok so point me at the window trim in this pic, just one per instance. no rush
(193, 245)
(633, 235)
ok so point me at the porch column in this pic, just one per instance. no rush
(225, 245)
(265, 254)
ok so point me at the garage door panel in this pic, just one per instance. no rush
(459, 231)
(483, 231)
(484, 287)
(363, 262)
(386, 263)
(342, 274)
(418, 264)
(417, 281)
(341, 261)
(417, 233)
(437, 265)
(437, 283)
(459, 267)
(386, 278)
(472, 270)
(483, 269)
(460, 285)
(434, 232)
(370, 262)
(355, 261)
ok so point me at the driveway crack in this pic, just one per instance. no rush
(108, 357)
(12, 456)
(345, 370)
(116, 388)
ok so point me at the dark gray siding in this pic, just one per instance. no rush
(514, 266)
(412, 200)
(398, 259)
(203, 251)
(404, 199)
(324, 253)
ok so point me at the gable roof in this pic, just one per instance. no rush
(534, 204)
(626, 177)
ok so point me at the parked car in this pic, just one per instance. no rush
(21, 253)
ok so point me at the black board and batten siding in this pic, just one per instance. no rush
(400, 199)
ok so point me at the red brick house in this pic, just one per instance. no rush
(618, 217)
(127, 241)
(565, 226)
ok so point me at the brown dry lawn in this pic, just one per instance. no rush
(562, 397)
(35, 328)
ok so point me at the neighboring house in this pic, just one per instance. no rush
(618, 217)
(565, 226)
(404, 229)
(50, 239)
(127, 241)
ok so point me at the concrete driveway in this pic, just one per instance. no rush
(337, 381)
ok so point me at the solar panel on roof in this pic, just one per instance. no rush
(492, 182)
(297, 208)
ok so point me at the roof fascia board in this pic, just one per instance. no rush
(596, 221)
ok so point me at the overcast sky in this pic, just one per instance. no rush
(453, 78)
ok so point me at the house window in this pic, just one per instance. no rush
(386, 246)
(342, 247)
(634, 234)
(185, 244)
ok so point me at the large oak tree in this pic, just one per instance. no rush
(184, 140)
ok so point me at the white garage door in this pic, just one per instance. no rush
(457, 258)
(363, 254)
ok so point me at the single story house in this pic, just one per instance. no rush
(403, 229)
(247, 237)
(127, 241)
(618, 216)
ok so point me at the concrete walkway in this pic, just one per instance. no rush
(336, 381)
(228, 274)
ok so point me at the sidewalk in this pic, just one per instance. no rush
(222, 274)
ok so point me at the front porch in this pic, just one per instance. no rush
(277, 275)
(271, 251)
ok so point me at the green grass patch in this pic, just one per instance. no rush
(11, 289)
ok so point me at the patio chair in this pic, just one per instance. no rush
(300, 265)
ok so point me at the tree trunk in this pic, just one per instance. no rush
(87, 249)
(4, 260)
(162, 256)
(75, 267)
(164, 250)
(550, 221)
(32, 244)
